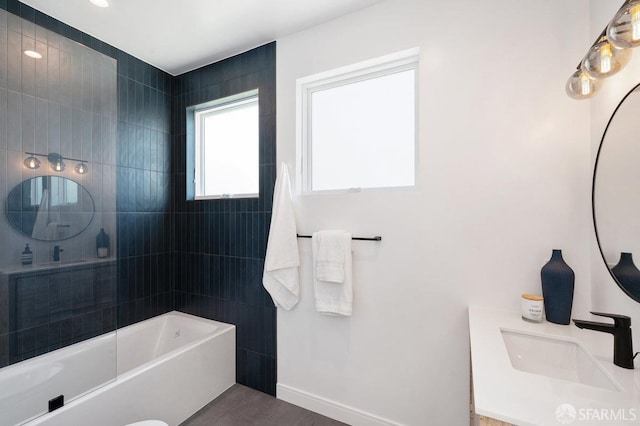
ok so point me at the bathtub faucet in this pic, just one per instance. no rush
(56, 253)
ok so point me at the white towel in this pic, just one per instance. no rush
(329, 260)
(39, 231)
(280, 276)
(52, 231)
(333, 298)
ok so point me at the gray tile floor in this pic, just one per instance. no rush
(243, 406)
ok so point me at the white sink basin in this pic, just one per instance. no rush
(556, 358)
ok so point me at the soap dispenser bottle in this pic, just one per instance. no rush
(27, 256)
(102, 244)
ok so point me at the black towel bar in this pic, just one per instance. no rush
(376, 238)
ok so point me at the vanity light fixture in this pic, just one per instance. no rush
(604, 60)
(57, 164)
(32, 54)
(581, 86)
(100, 3)
(610, 52)
(32, 162)
(56, 161)
(624, 29)
(81, 168)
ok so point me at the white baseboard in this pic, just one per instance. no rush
(329, 408)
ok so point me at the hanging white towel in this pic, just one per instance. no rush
(280, 276)
(329, 260)
(333, 298)
(42, 218)
(52, 231)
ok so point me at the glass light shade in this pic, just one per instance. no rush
(624, 29)
(32, 162)
(56, 162)
(81, 168)
(58, 165)
(580, 86)
(604, 60)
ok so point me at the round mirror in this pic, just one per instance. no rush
(50, 208)
(616, 198)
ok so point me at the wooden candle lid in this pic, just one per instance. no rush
(532, 297)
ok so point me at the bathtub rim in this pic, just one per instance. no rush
(223, 328)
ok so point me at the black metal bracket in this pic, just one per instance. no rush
(376, 238)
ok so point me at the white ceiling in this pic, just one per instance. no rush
(179, 36)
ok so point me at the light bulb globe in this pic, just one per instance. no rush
(604, 60)
(624, 29)
(32, 162)
(580, 86)
(55, 159)
(58, 166)
(81, 168)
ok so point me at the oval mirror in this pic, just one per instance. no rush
(50, 208)
(615, 196)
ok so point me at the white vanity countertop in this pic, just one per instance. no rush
(21, 269)
(514, 396)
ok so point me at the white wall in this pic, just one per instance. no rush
(606, 295)
(504, 178)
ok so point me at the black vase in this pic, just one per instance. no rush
(627, 274)
(557, 289)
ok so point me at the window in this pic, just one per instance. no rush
(223, 147)
(357, 125)
(62, 191)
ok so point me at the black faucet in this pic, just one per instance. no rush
(56, 253)
(621, 330)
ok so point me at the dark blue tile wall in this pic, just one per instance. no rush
(81, 123)
(143, 199)
(143, 203)
(220, 244)
(49, 310)
(213, 265)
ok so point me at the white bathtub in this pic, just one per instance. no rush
(167, 368)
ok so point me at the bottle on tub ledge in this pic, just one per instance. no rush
(27, 256)
(102, 244)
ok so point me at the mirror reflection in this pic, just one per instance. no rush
(50, 208)
(616, 198)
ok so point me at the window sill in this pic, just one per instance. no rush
(223, 197)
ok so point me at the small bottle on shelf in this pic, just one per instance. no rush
(102, 244)
(27, 256)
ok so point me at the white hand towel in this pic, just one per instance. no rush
(333, 298)
(52, 231)
(280, 276)
(42, 217)
(329, 260)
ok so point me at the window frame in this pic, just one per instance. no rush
(195, 143)
(361, 71)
